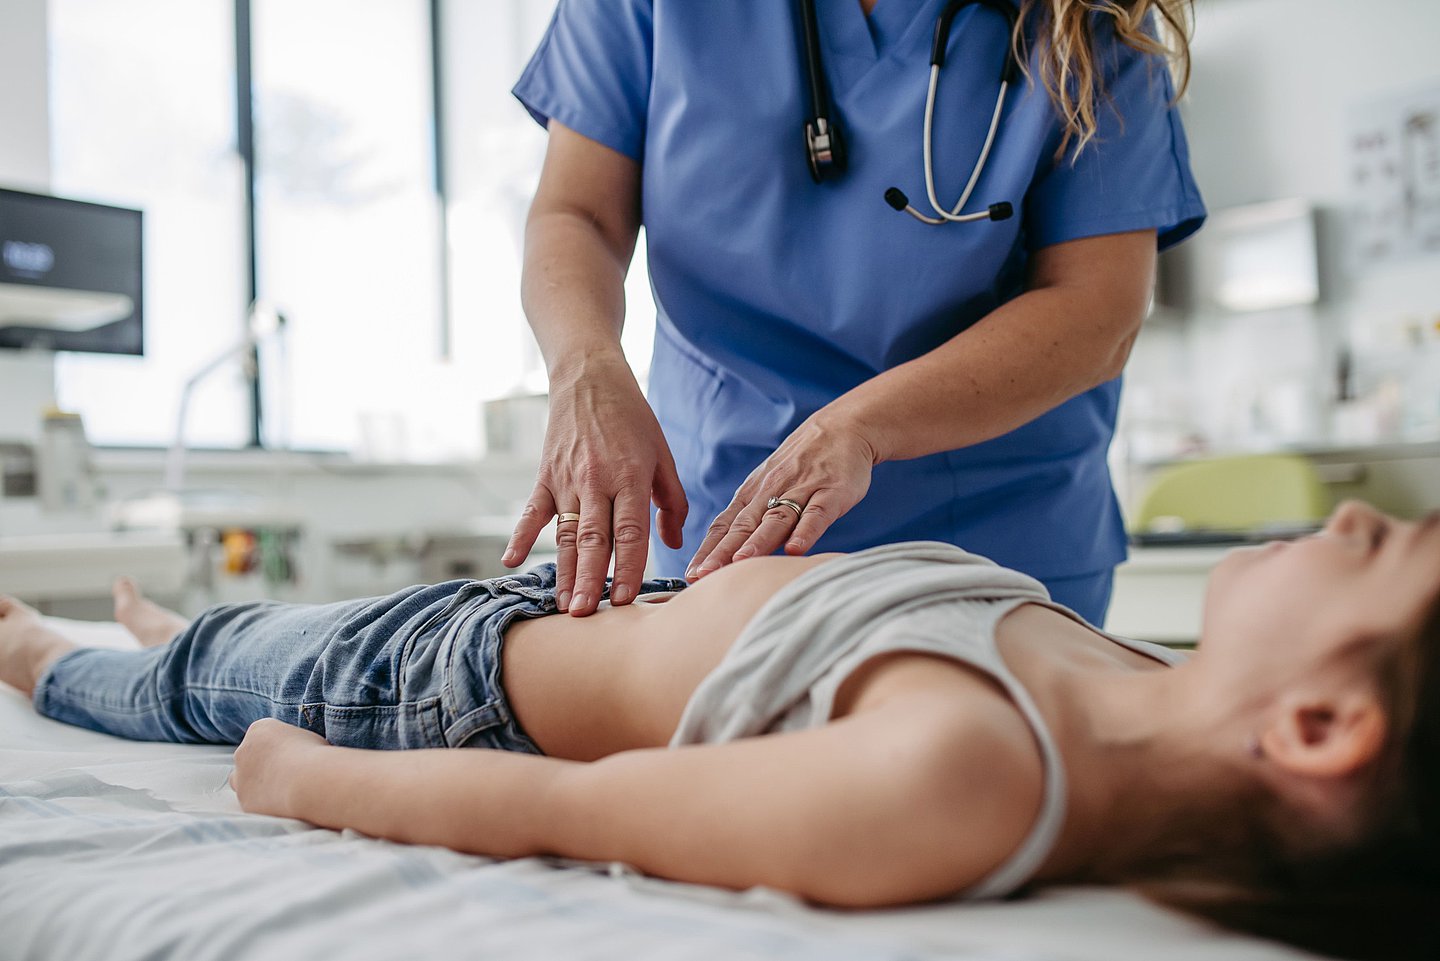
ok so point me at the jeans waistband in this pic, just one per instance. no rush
(473, 695)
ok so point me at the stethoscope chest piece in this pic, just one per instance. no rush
(824, 143)
(824, 148)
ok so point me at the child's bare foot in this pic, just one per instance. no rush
(27, 646)
(151, 624)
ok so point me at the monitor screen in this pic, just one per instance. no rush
(71, 275)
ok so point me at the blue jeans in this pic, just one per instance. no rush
(419, 668)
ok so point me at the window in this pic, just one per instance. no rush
(348, 220)
(404, 315)
(492, 162)
(140, 120)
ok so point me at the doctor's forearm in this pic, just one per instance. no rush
(1025, 358)
(573, 292)
(579, 238)
(1070, 331)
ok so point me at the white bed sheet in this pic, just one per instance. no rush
(112, 849)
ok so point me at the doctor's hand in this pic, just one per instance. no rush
(605, 459)
(823, 468)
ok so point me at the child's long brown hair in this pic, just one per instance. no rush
(1378, 900)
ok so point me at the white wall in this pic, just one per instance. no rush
(1276, 81)
(1276, 90)
(26, 380)
(1278, 85)
(24, 121)
(335, 503)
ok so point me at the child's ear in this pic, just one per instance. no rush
(1326, 737)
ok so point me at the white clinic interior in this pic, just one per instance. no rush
(394, 423)
(388, 431)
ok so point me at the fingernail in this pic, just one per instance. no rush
(743, 553)
(690, 573)
(795, 546)
(620, 595)
(562, 601)
(582, 601)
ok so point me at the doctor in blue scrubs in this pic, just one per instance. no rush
(831, 372)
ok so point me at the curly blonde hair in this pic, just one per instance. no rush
(1062, 34)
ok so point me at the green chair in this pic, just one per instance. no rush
(1242, 493)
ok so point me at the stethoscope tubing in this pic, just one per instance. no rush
(954, 215)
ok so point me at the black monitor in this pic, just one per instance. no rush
(71, 275)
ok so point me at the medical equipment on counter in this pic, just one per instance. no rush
(17, 470)
(825, 144)
(238, 545)
(71, 275)
(377, 562)
(261, 321)
(66, 475)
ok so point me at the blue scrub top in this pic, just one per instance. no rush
(776, 295)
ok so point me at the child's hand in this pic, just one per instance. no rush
(265, 766)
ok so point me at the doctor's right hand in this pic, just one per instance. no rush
(605, 459)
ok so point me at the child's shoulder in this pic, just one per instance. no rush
(973, 782)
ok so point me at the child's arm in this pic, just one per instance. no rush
(881, 808)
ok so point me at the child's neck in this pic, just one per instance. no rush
(1139, 753)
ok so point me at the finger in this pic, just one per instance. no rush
(533, 517)
(776, 525)
(672, 507)
(744, 525)
(820, 512)
(631, 533)
(719, 527)
(594, 542)
(566, 553)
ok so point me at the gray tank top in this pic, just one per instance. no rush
(783, 671)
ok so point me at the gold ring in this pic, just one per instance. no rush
(568, 517)
(785, 502)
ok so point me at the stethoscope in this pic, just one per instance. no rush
(825, 146)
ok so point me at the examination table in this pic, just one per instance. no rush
(111, 849)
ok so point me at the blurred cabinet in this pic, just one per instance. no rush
(47, 569)
(1160, 593)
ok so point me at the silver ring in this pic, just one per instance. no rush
(569, 517)
(785, 502)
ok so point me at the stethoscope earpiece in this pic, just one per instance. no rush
(896, 198)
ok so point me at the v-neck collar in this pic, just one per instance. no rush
(850, 33)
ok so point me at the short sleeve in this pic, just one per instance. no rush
(1134, 175)
(591, 72)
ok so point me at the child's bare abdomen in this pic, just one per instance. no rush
(619, 679)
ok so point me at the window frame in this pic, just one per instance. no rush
(245, 147)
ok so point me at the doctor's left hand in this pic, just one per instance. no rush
(823, 468)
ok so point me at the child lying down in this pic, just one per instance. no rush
(902, 724)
